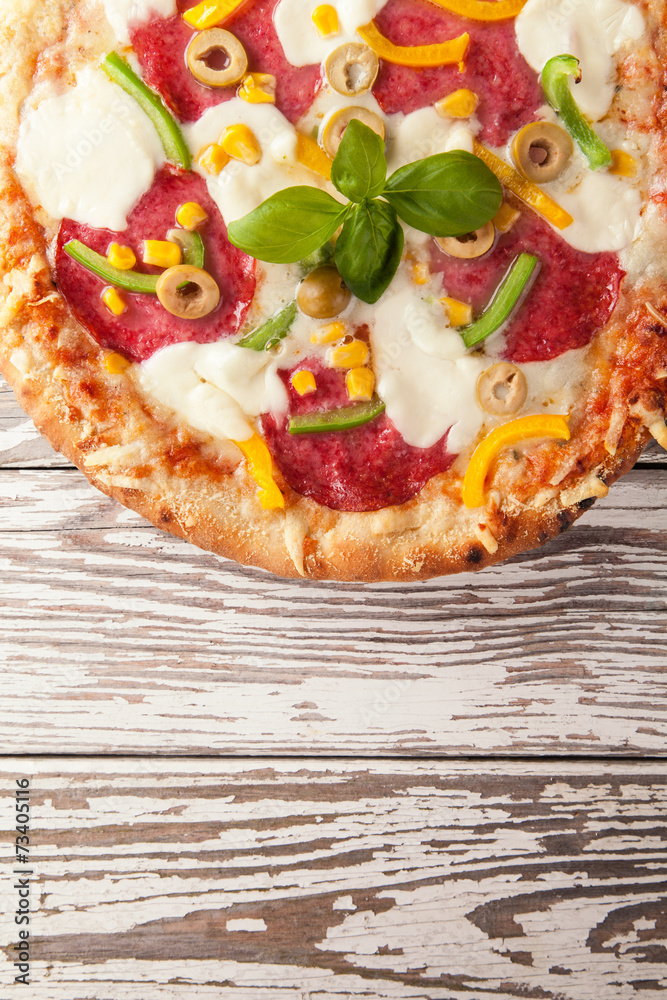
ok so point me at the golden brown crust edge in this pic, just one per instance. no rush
(199, 490)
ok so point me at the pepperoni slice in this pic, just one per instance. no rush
(160, 45)
(574, 295)
(363, 469)
(146, 326)
(496, 71)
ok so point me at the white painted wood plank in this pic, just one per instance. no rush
(115, 636)
(21, 446)
(343, 880)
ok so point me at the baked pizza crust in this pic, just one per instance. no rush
(198, 488)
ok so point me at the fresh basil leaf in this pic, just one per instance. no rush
(445, 195)
(360, 167)
(289, 225)
(369, 249)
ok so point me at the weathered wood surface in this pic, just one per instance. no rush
(118, 637)
(343, 880)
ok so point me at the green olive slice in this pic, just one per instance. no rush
(216, 58)
(187, 292)
(502, 389)
(351, 69)
(542, 151)
(323, 294)
(333, 127)
(470, 245)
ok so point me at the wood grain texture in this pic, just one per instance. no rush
(117, 637)
(344, 880)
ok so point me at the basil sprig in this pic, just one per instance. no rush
(449, 194)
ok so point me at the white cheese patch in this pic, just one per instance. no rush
(420, 134)
(301, 41)
(88, 154)
(606, 212)
(215, 387)
(122, 13)
(424, 373)
(239, 188)
(592, 30)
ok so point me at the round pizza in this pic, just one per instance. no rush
(362, 290)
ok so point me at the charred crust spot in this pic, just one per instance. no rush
(564, 520)
(166, 517)
(474, 555)
(658, 329)
(586, 504)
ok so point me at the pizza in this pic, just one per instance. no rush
(366, 290)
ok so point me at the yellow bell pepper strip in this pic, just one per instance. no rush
(311, 155)
(438, 54)
(258, 458)
(483, 10)
(211, 12)
(272, 331)
(524, 189)
(129, 281)
(510, 290)
(171, 137)
(523, 429)
(345, 418)
(556, 87)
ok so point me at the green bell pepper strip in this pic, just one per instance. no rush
(272, 332)
(509, 292)
(171, 137)
(191, 244)
(343, 419)
(129, 281)
(556, 88)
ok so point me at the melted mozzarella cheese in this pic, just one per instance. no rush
(239, 188)
(121, 13)
(88, 154)
(215, 387)
(302, 43)
(606, 212)
(592, 30)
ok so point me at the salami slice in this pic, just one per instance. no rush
(495, 70)
(146, 326)
(363, 469)
(574, 295)
(160, 45)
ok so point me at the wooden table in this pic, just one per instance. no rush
(243, 787)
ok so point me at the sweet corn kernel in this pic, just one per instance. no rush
(121, 257)
(421, 273)
(115, 363)
(213, 158)
(210, 12)
(304, 382)
(360, 384)
(190, 215)
(458, 313)
(622, 164)
(352, 355)
(161, 253)
(461, 104)
(325, 19)
(258, 88)
(329, 334)
(240, 143)
(114, 301)
(311, 154)
(505, 217)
